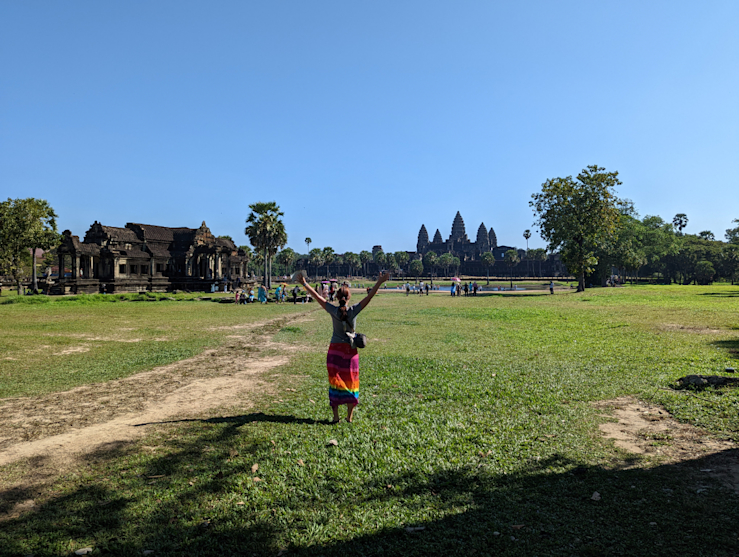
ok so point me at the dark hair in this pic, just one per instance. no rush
(342, 295)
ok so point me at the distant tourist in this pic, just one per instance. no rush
(551, 287)
(342, 360)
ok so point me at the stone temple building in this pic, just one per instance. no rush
(144, 257)
(458, 244)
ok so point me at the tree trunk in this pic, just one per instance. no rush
(581, 282)
(264, 278)
(34, 287)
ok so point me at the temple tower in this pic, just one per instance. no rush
(483, 241)
(458, 232)
(437, 237)
(492, 238)
(423, 239)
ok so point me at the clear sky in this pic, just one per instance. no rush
(364, 120)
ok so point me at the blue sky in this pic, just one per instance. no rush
(365, 120)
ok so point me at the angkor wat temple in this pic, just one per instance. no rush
(458, 244)
(143, 257)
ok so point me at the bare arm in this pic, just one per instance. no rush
(320, 299)
(382, 278)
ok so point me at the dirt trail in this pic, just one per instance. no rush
(58, 428)
(649, 430)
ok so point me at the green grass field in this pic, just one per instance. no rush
(476, 433)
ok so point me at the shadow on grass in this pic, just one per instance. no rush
(547, 507)
(721, 294)
(730, 345)
(246, 419)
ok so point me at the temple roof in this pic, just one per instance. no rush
(458, 227)
(437, 237)
(120, 234)
(423, 236)
(159, 233)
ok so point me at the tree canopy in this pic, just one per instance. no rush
(25, 224)
(266, 232)
(577, 216)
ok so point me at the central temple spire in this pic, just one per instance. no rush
(457, 228)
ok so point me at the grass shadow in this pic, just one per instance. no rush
(240, 420)
(729, 345)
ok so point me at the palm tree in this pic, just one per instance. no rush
(316, 258)
(429, 262)
(445, 261)
(266, 232)
(488, 259)
(328, 258)
(308, 242)
(351, 259)
(539, 255)
(527, 235)
(512, 259)
(680, 221)
(365, 257)
(416, 268)
(286, 258)
(379, 258)
(401, 258)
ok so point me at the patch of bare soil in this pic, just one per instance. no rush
(690, 329)
(51, 432)
(648, 429)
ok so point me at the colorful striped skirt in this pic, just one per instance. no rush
(342, 362)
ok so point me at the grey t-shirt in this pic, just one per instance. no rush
(342, 327)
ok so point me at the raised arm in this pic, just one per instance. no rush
(382, 278)
(320, 299)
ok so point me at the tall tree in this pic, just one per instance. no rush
(706, 235)
(511, 259)
(25, 224)
(680, 221)
(732, 234)
(430, 260)
(365, 257)
(445, 261)
(730, 261)
(401, 258)
(316, 258)
(390, 262)
(328, 258)
(266, 232)
(286, 258)
(539, 255)
(527, 235)
(308, 242)
(488, 260)
(576, 216)
(379, 258)
(352, 259)
(416, 268)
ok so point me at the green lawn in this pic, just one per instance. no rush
(475, 435)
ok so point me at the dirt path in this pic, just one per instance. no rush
(54, 430)
(649, 430)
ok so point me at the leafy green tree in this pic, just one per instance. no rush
(445, 261)
(266, 232)
(488, 260)
(680, 221)
(730, 261)
(401, 258)
(365, 257)
(430, 260)
(732, 234)
(328, 258)
(379, 258)
(539, 255)
(286, 258)
(390, 262)
(315, 257)
(416, 268)
(576, 216)
(25, 224)
(511, 259)
(706, 235)
(704, 272)
(352, 259)
(456, 263)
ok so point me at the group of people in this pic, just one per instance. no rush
(468, 289)
(422, 287)
(262, 296)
